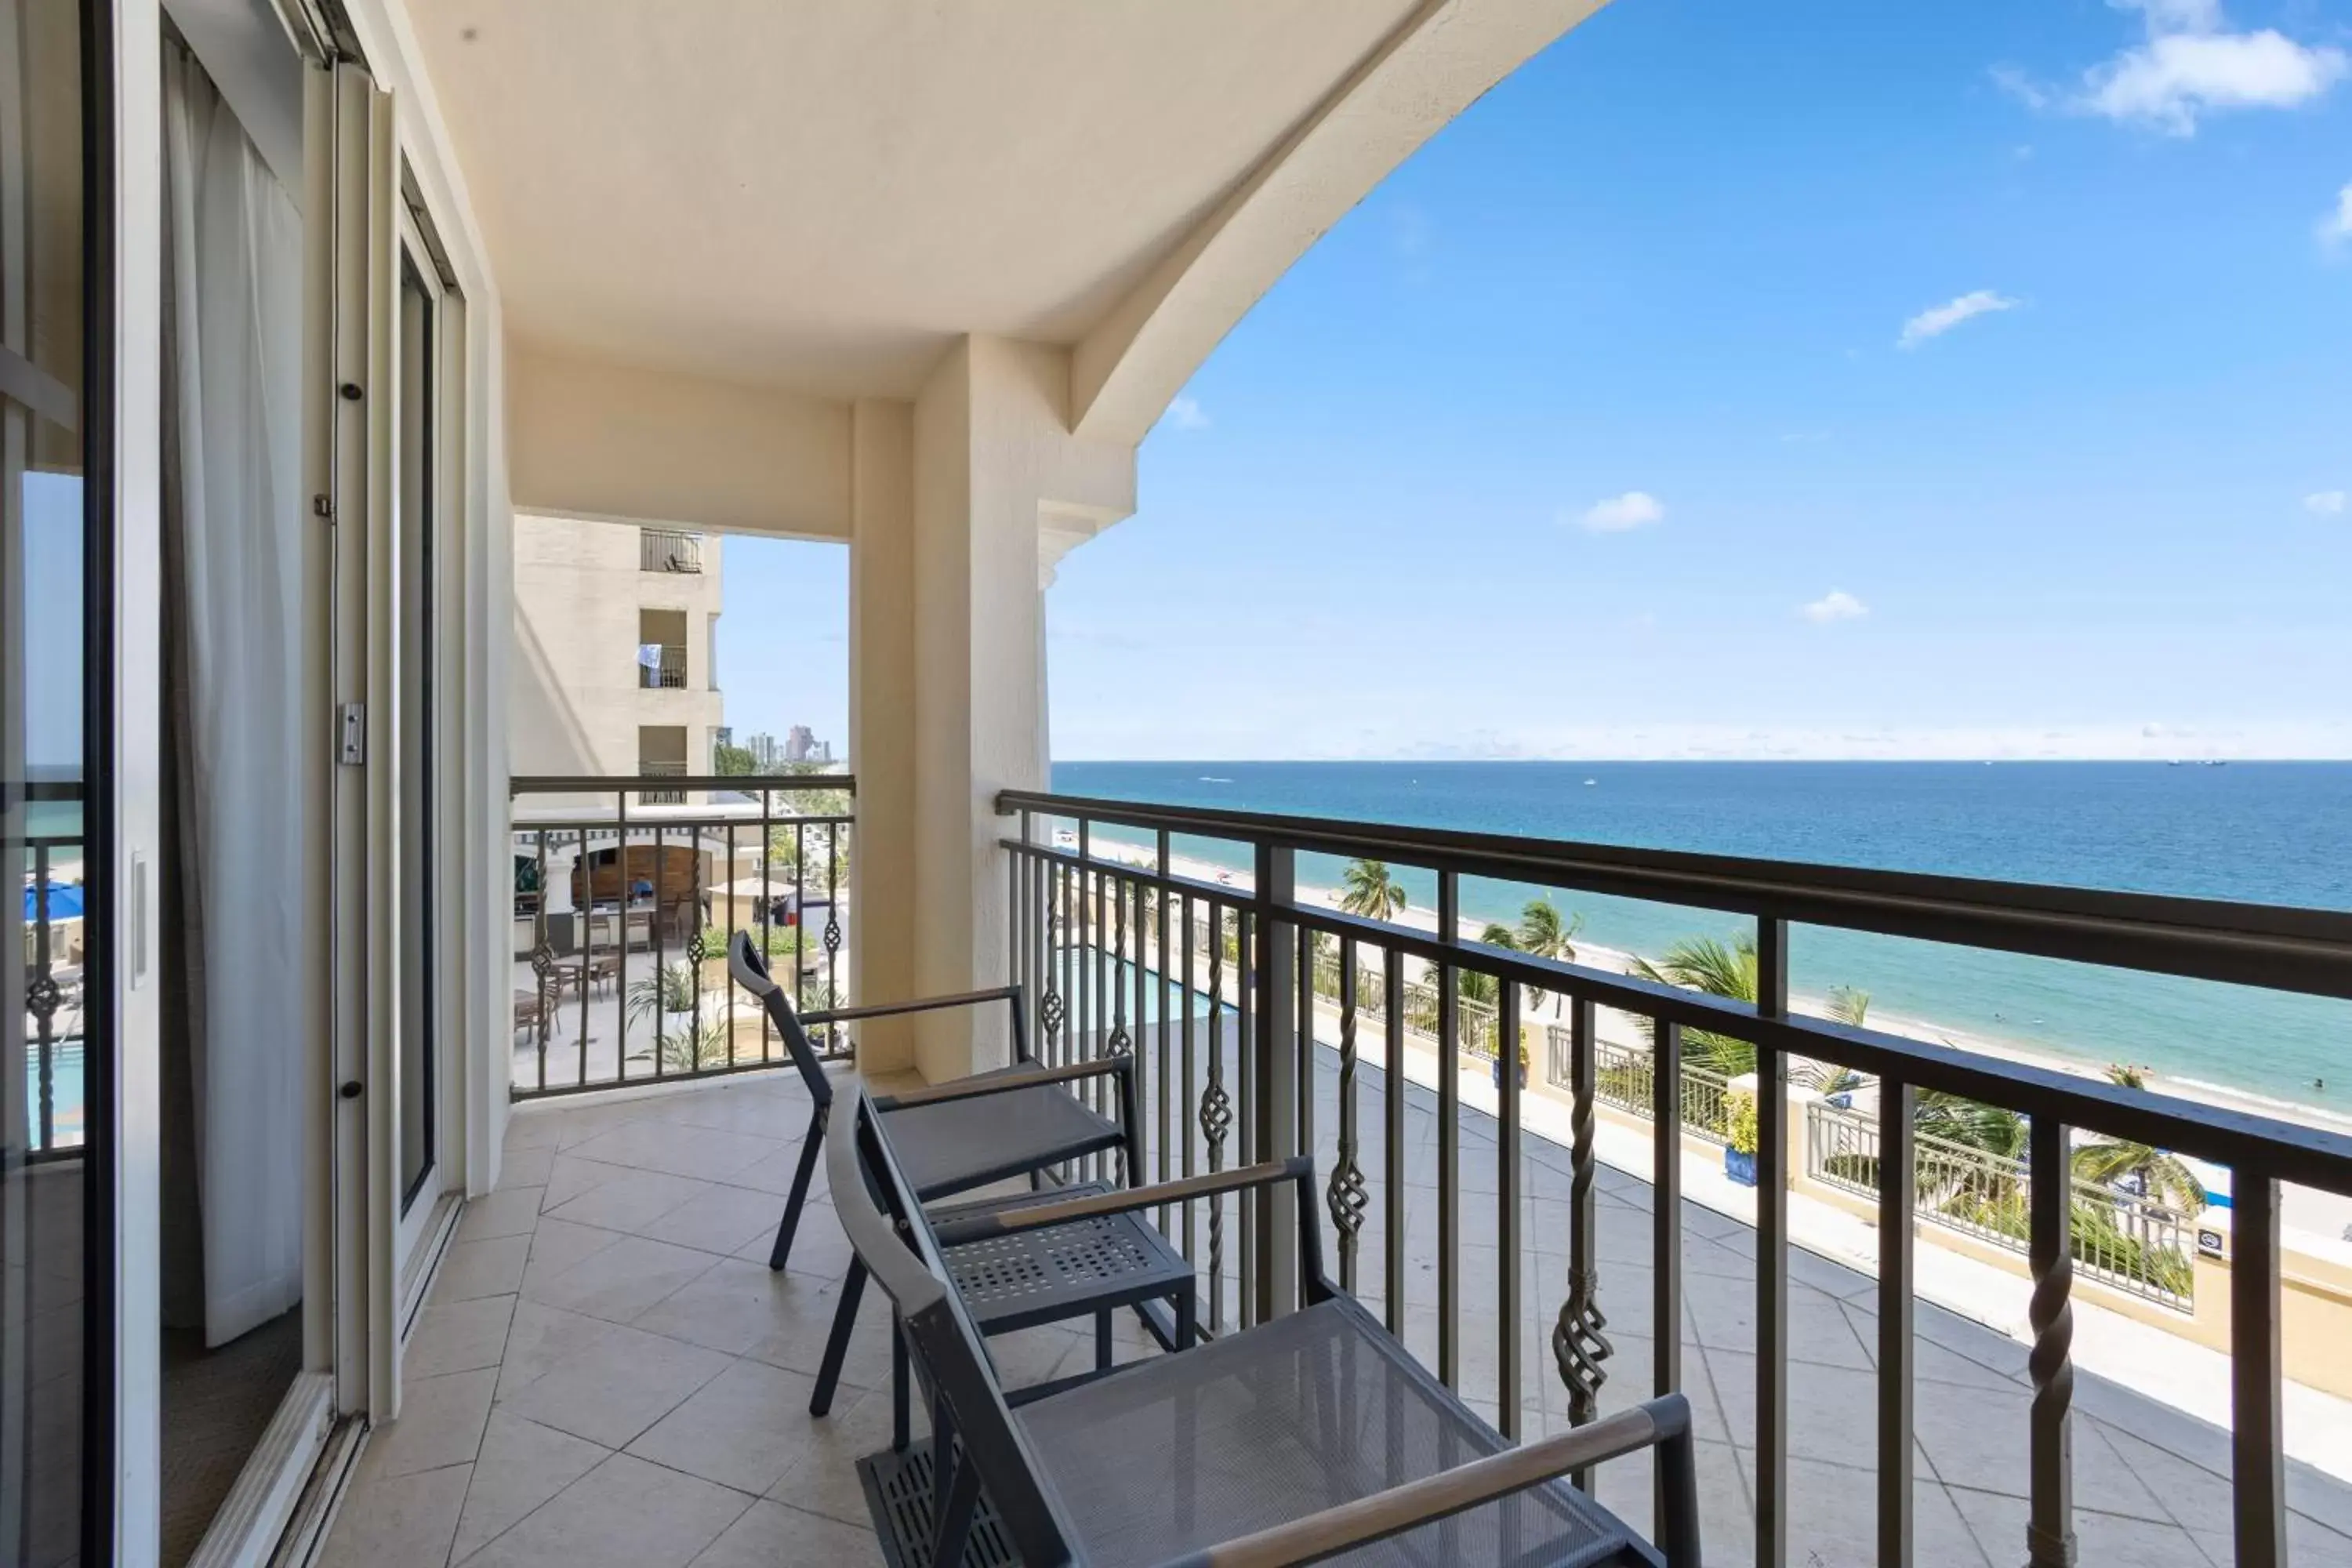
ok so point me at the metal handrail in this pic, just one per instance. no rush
(2290, 1151)
(2276, 947)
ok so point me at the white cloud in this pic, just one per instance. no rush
(2324, 503)
(1621, 514)
(1837, 604)
(1186, 414)
(2336, 227)
(2170, 81)
(1941, 319)
(2191, 65)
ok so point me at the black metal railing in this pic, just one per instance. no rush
(668, 550)
(1218, 982)
(665, 673)
(626, 898)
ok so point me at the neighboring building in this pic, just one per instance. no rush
(613, 670)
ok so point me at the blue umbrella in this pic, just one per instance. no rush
(65, 902)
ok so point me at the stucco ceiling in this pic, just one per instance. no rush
(822, 197)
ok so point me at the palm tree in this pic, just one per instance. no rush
(1972, 1123)
(2162, 1178)
(1370, 892)
(1543, 934)
(1703, 963)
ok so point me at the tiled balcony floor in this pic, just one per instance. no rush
(607, 1372)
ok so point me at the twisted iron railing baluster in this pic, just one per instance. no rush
(2050, 1523)
(1348, 1196)
(1216, 1117)
(1119, 1045)
(1580, 1343)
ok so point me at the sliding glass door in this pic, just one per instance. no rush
(56, 1235)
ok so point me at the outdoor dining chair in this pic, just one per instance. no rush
(1308, 1435)
(952, 1143)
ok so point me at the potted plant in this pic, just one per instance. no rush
(1740, 1154)
(1526, 1059)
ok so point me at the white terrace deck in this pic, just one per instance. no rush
(608, 1373)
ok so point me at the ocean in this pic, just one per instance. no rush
(2277, 833)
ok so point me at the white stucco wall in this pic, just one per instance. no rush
(575, 702)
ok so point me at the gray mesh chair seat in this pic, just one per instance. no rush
(1321, 1407)
(963, 1144)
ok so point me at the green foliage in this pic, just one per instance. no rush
(732, 761)
(1968, 1122)
(1368, 890)
(695, 1046)
(670, 989)
(1703, 963)
(1739, 1117)
(2162, 1177)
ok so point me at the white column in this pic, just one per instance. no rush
(947, 668)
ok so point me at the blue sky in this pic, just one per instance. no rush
(784, 637)
(2090, 508)
(1829, 379)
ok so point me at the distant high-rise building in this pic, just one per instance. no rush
(799, 744)
(763, 747)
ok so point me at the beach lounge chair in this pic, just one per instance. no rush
(1305, 1436)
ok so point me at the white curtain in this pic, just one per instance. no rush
(233, 279)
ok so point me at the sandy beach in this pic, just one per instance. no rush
(2324, 1218)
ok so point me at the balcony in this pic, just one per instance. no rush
(606, 1342)
(624, 901)
(668, 550)
(661, 667)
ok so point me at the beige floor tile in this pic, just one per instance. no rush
(522, 1464)
(722, 1220)
(769, 1533)
(458, 1337)
(620, 1282)
(397, 1521)
(710, 1153)
(630, 1201)
(440, 1423)
(823, 1480)
(621, 1382)
(736, 1306)
(744, 1428)
(526, 1167)
(509, 1211)
(625, 1513)
(472, 1269)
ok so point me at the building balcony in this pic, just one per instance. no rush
(1995, 1365)
(668, 550)
(666, 672)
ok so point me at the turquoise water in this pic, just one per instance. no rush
(2276, 833)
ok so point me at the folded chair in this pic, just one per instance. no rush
(1308, 1437)
(951, 1143)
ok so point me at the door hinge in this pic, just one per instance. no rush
(354, 752)
(322, 506)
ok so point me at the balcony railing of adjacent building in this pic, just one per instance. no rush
(666, 673)
(666, 794)
(668, 550)
(1215, 984)
(626, 898)
(52, 960)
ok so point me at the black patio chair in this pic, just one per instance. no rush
(949, 1145)
(1311, 1435)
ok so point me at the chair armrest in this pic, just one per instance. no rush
(1034, 1216)
(1001, 1083)
(1663, 1421)
(919, 1004)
